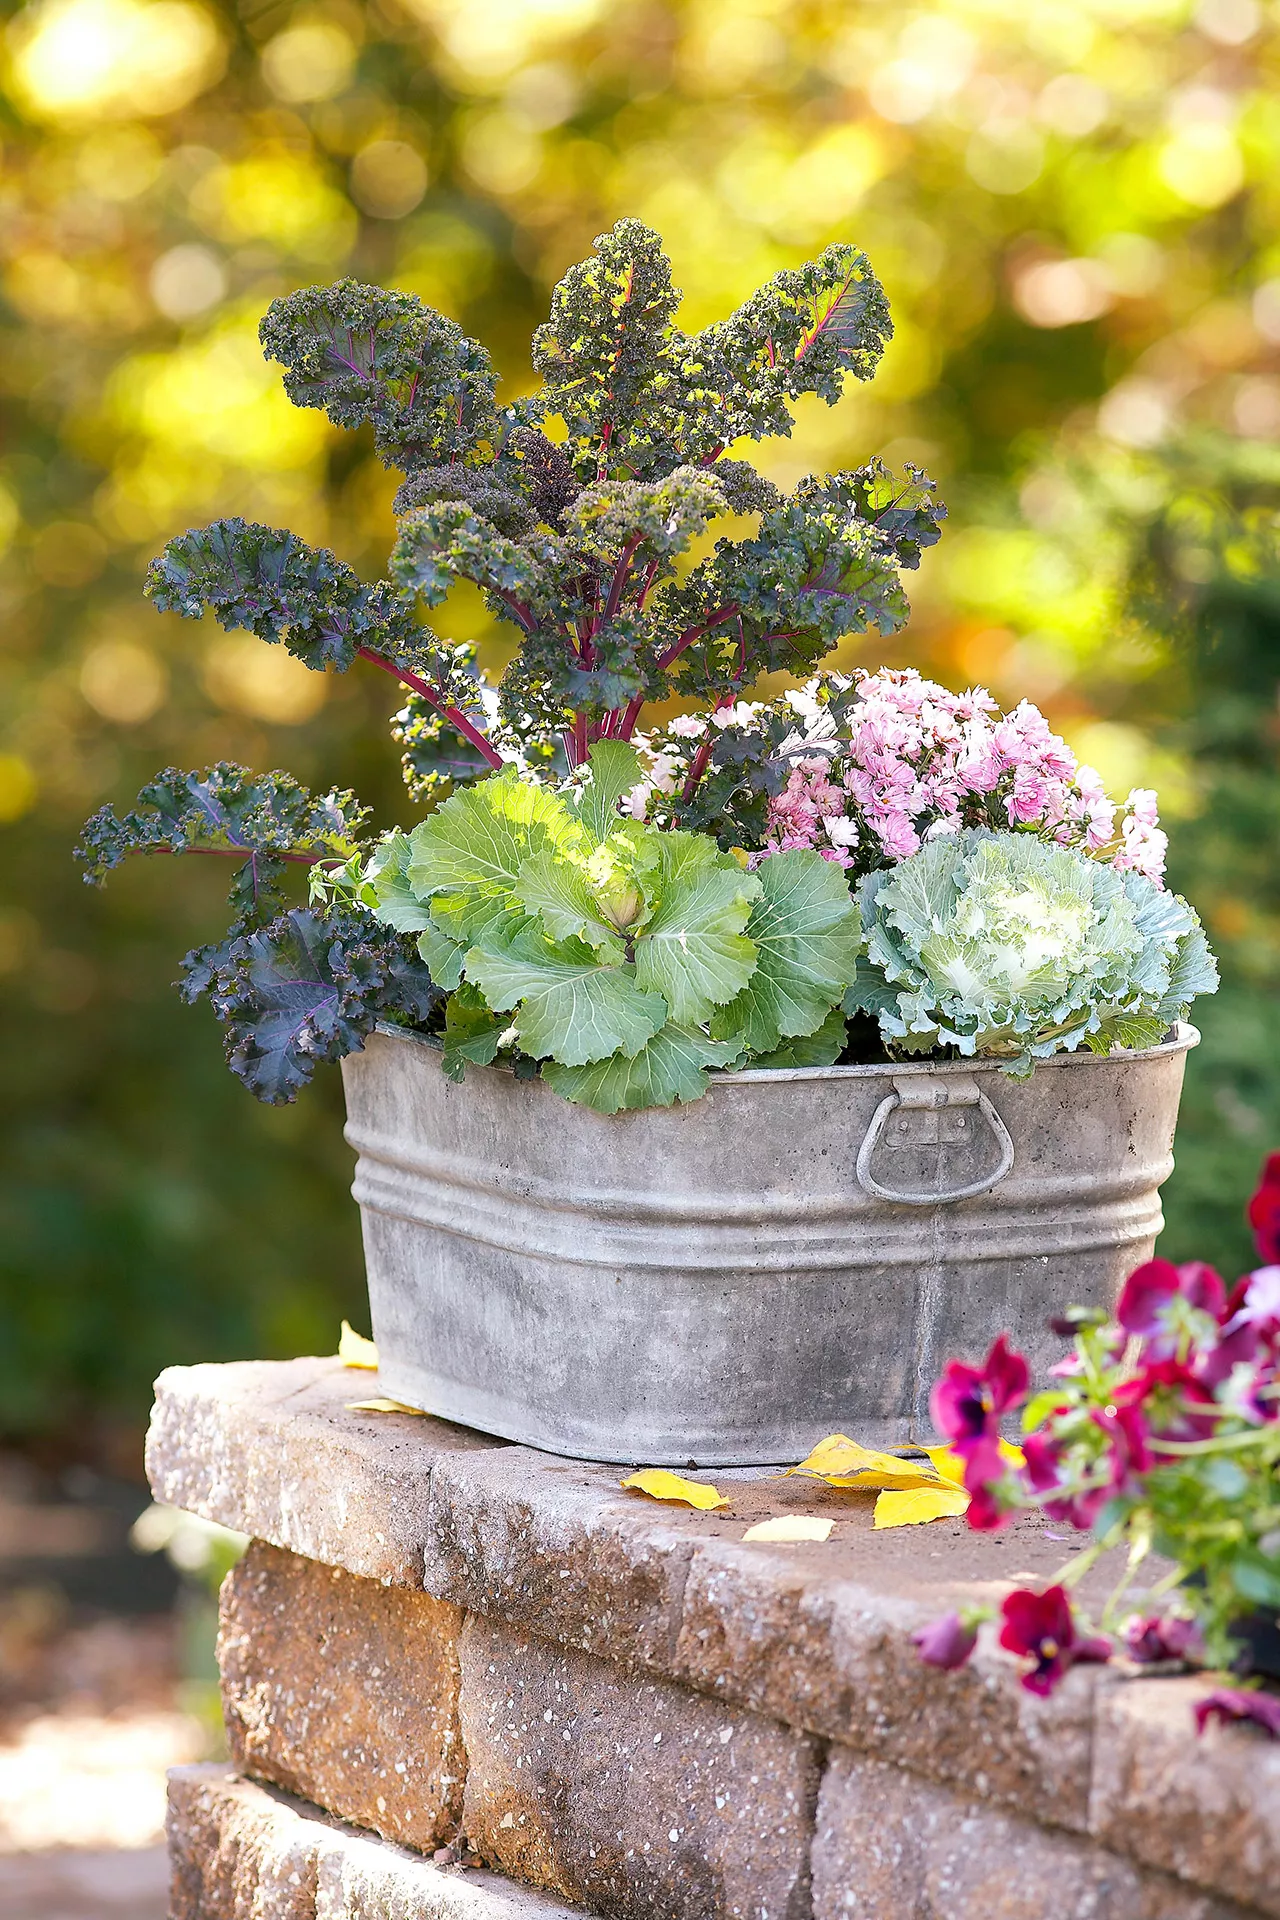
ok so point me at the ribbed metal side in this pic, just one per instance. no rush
(712, 1281)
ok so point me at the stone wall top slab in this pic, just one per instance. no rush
(816, 1636)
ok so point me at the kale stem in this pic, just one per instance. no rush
(630, 714)
(690, 634)
(436, 699)
(618, 584)
(251, 853)
(702, 758)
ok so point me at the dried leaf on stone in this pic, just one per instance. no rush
(948, 1463)
(791, 1526)
(385, 1406)
(355, 1351)
(912, 1505)
(661, 1485)
(842, 1462)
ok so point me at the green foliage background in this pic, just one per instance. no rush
(1073, 207)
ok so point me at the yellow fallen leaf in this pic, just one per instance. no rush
(355, 1351)
(842, 1462)
(950, 1466)
(661, 1485)
(385, 1406)
(790, 1526)
(910, 1506)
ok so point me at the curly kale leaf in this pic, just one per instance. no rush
(802, 332)
(273, 584)
(267, 818)
(744, 490)
(441, 544)
(492, 491)
(308, 987)
(545, 475)
(906, 511)
(647, 521)
(779, 602)
(745, 768)
(436, 758)
(605, 342)
(366, 355)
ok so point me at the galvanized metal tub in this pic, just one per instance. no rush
(726, 1282)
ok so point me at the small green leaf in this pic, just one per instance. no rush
(693, 950)
(444, 957)
(615, 769)
(568, 1006)
(1039, 1407)
(671, 1067)
(388, 873)
(821, 1048)
(1257, 1581)
(467, 855)
(807, 929)
(471, 1033)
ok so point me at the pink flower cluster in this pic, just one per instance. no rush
(911, 761)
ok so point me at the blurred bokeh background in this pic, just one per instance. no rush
(1075, 208)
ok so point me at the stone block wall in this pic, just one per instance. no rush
(626, 1710)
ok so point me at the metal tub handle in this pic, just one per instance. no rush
(918, 1091)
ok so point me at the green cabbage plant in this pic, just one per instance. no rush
(625, 958)
(1003, 943)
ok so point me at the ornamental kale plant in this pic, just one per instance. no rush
(1003, 943)
(573, 511)
(1159, 1434)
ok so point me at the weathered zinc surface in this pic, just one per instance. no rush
(440, 1636)
(478, 1259)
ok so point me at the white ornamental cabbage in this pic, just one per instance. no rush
(1005, 944)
